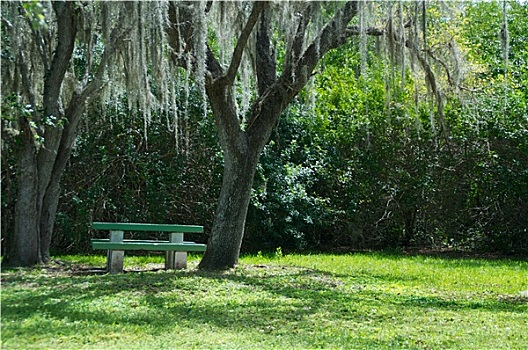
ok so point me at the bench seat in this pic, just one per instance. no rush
(129, 244)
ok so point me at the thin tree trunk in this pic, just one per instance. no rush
(48, 214)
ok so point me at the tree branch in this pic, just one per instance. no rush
(298, 40)
(77, 103)
(66, 32)
(180, 32)
(355, 30)
(38, 38)
(26, 84)
(443, 64)
(116, 39)
(294, 51)
(330, 37)
(430, 78)
(229, 78)
(265, 55)
(267, 108)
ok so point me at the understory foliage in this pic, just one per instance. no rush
(366, 170)
(342, 182)
(368, 157)
(117, 175)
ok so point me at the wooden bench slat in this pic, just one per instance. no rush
(146, 227)
(146, 241)
(139, 245)
(140, 241)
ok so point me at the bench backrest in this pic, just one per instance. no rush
(125, 226)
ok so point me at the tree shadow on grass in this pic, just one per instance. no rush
(319, 287)
(261, 298)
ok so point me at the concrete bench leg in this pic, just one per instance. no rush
(175, 260)
(115, 257)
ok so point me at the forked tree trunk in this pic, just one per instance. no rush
(49, 201)
(39, 175)
(242, 148)
(39, 169)
(240, 162)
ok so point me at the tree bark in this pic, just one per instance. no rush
(37, 173)
(39, 170)
(48, 214)
(23, 248)
(228, 229)
(49, 155)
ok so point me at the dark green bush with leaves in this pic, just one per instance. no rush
(367, 170)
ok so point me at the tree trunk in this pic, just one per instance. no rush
(48, 214)
(39, 169)
(23, 248)
(228, 229)
(50, 192)
(38, 197)
(242, 149)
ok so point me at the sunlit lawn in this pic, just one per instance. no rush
(357, 301)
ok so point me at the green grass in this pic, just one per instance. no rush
(359, 301)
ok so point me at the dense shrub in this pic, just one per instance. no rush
(369, 170)
(397, 185)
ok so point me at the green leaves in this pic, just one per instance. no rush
(36, 13)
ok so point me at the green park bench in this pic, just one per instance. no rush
(176, 248)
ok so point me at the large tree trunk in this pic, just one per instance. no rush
(23, 248)
(39, 175)
(240, 162)
(228, 229)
